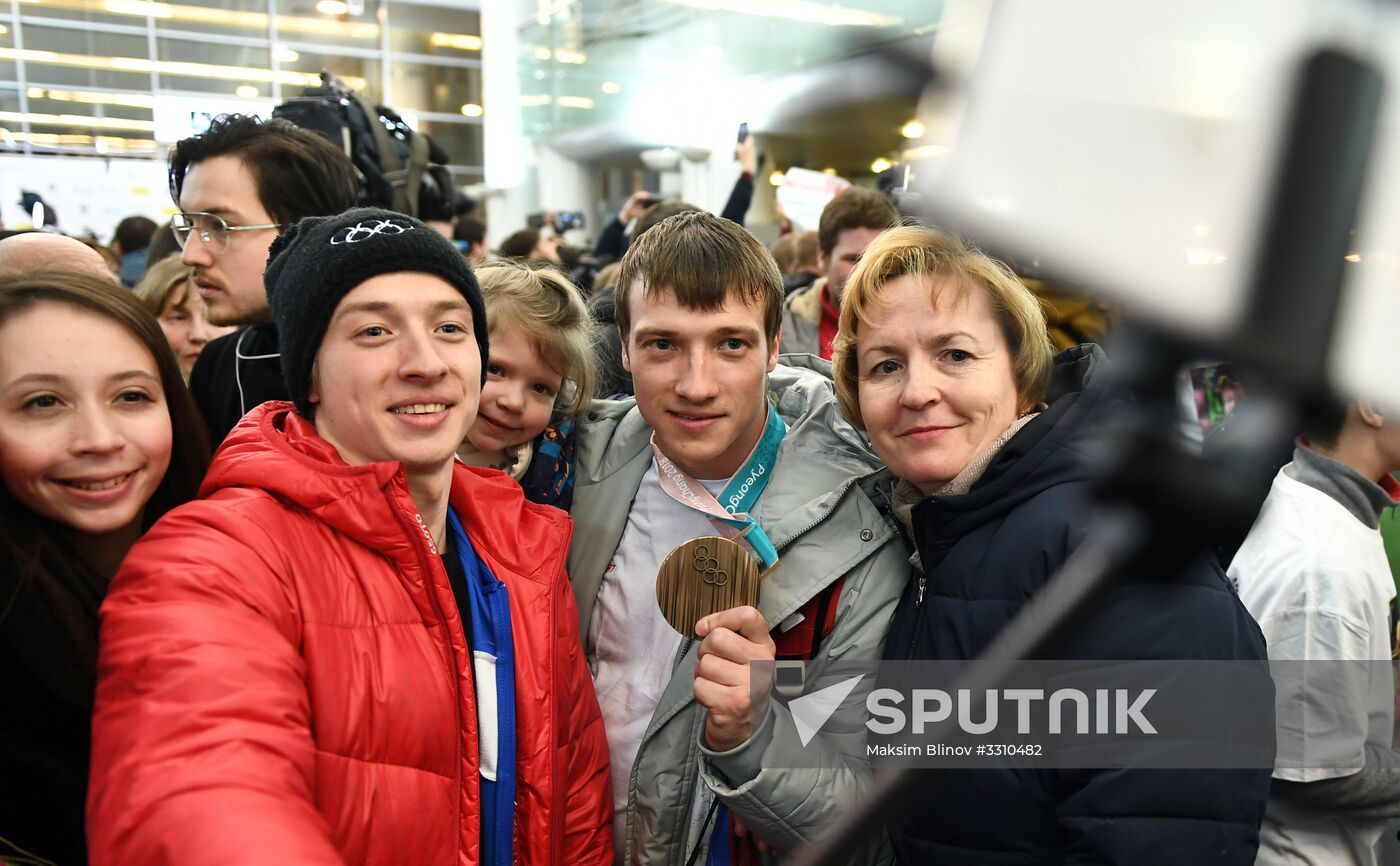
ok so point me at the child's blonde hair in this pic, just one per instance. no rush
(544, 305)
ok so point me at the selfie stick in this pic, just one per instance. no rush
(1163, 500)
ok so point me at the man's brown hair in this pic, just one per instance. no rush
(297, 172)
(854, 208)
(703, 260)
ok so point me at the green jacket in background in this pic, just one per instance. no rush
(822, 510)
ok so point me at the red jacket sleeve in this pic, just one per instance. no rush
(202, 750)
(588, 835)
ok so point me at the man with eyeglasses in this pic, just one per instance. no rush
(237, 184)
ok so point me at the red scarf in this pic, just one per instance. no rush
(831, 317)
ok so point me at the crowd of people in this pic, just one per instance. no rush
(329, 537)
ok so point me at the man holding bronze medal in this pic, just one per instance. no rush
(730, 466)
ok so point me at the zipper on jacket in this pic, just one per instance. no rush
(919, 594)
(452, 660)
(559, 793)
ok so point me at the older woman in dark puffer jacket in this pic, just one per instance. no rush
(943, 358)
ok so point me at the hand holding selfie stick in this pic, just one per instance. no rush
(1164, 502)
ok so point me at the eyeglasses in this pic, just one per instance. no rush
(213, 229)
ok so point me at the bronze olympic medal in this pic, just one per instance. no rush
(704, 576)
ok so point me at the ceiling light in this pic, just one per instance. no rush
(777, 178)
(460, 41)
(471, 109)
(85, 121)
(925, 151)
(283, 54)
(543, 53)
(797, 10)
(245, 91)
(829, 171)
(611, 87)
(881, 165)
(912, 129)
(128, 100)
(101, 145)
(565, 56)
(333, 7)
(172, 67)
(575, 102)
(534, 100)
(233, 18)
(1352, 257)
(4, 29)
(139, 7)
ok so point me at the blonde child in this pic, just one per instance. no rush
(540, 374)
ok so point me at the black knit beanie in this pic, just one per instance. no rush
(316, 262)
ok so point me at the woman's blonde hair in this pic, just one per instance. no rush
(541, 302)
(939, 257)
(161, 281)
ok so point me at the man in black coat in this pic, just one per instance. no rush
(237, 184)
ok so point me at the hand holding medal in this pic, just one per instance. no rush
(711, 585)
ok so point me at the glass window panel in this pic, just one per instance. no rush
(131, 13)
(128, 111)
(362, 74)
(245, 18)
(7, 42)
(461, 141)
(299, 21)
(427, 87)
(214, 68)
(9, 121)
(432, 30)
(62, 57)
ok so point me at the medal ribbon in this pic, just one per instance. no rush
(729, 514)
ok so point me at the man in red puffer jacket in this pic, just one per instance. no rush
(352, 649)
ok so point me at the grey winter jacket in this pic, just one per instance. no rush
(822, 511)
(802, 320)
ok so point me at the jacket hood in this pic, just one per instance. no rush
(275, 450)
(1048, 451)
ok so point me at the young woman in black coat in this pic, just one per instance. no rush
(98, 439)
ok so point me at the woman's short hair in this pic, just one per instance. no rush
(166, 281)
(939, 257)
(26, 535)
(541, 302)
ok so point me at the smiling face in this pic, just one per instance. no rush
(230, 280)
(186, 327)
(83, 442)
(398, 374)
(936, 383)
(518, 397)
(700, 379)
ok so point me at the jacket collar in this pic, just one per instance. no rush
(276, 450)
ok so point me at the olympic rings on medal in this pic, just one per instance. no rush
(709, 568)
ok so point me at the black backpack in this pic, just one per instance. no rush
(401, 170)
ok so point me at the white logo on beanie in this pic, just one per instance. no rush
(363, 231)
